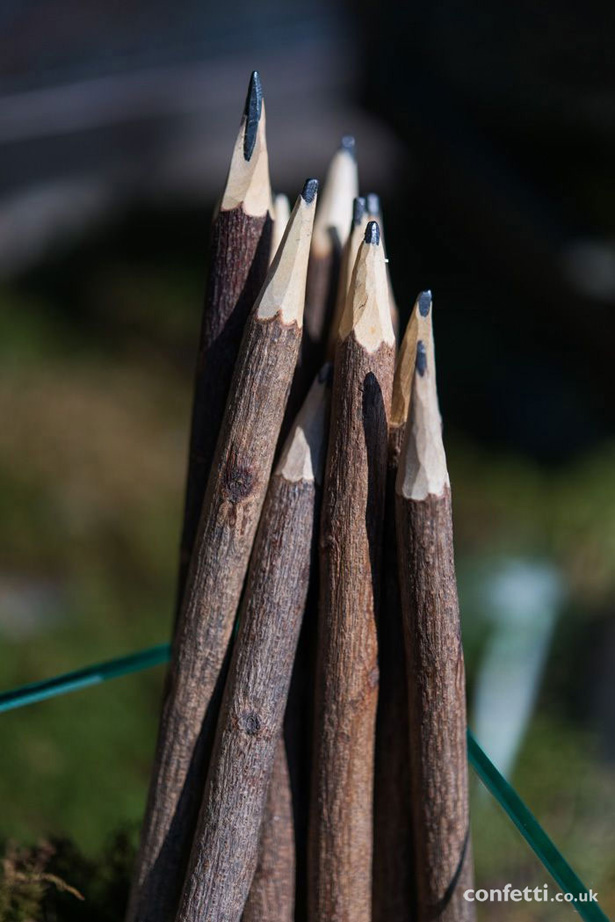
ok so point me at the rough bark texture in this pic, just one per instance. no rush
(272, 894)
(393, 880)
(231, 510)
(298, 730)
(437, 708)
(347, 679)
(225, 848)
(238, 263)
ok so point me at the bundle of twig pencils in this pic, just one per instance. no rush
(314, 771)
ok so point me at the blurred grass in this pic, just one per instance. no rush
(92, 462)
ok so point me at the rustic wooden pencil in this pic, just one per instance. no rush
(350, 550)
(374, 213)
(436, 678)
(394, 887)
(272, 892)
(331, 227)
(238, 262)
(225, 848)
(231, 509)
(349, 254)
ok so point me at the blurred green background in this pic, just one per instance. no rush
(489, 198)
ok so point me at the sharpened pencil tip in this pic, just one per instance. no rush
(348, 144)
(373, 203)
(425, 301)
(252, 114)
(309, 191)
(372, 233)
(421, 357)
(358, 209)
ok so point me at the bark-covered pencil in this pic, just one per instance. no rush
(350, 551)
(393, 886)
(231, 509)
(436, 677)
(238, 260)
(225, 848)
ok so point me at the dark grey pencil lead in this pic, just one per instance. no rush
(348, 144)
(425, 301)
(373, 204)
(421, 357)
(252, 114)
(309, 190)
(358, 209)
(372, 233)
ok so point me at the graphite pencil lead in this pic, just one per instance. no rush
(283, 292)
(341, 186)
(374, 209)
(424, 302)
(309, 190)
(422, 469)
(372, 233)
(358, 209)
(304, 452)
(367, 311)
(348, 144)
(252, 113)
(247, 184)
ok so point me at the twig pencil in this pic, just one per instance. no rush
(393, 888)
(374, 213)
(225, 847)
(238, 261)
(349, 254)
(350, 550)
(271, 897)
(231, 509)
(272, 892)
(436, 678)
(331, 228)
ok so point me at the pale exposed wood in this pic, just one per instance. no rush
(349, 255)
(225, 847)
(436, 677)
(247, 186)
(374, 213)
(424, 470)
(281, 214)
(418, 328)
(231, 509)
(367, 315)
(272, 893)
(238, 259)
(284, 295)
(331, 229)
(341, 186)
(350, 548)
